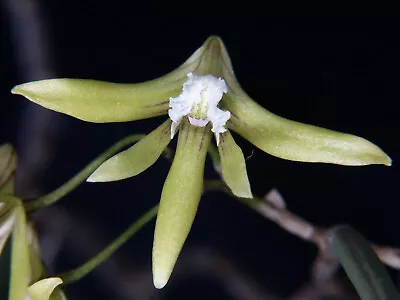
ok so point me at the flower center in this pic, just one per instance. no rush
(200, 106)
(198, 101)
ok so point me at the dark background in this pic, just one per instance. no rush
(338, 73)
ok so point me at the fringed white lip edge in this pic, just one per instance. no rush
(199, 102)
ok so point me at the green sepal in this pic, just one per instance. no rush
(285, 138)
(297, 141)
(233, 166)
(179, 200)
(103, 102)
(98, 101)
(136, 159)
(41, 290)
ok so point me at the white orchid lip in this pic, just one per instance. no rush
(199, 102)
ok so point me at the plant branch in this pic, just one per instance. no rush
(90, 265)
(273, 207)
(71, 184)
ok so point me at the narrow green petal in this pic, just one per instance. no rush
(297, 141)
(179, 200)
(19, 257)
(42, 289)
(233, 166)
(137, 158)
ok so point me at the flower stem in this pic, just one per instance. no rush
(87, 267)
(71, 184)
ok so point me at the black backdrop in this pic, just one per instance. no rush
(338, 73)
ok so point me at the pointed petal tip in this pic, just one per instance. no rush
(159, 280)
(388, 161)
(91, 178)
(14, 90)
(242, 192)
(214, 38)
(23, 89)
(215, 42)
(378, 157)
(17, 90)
(245, 194)
(163, 264)
(97, 177)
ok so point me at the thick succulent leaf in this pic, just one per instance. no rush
(136, 159)
(297, 141)
(101, 102)
(179, 200)
(19, 257)
(8, 165)
(233, 166)
(42, 289)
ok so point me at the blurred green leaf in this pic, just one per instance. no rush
(365, 270)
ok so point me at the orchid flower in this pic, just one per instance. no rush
(200, 98)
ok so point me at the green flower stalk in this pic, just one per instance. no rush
(201, 97)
